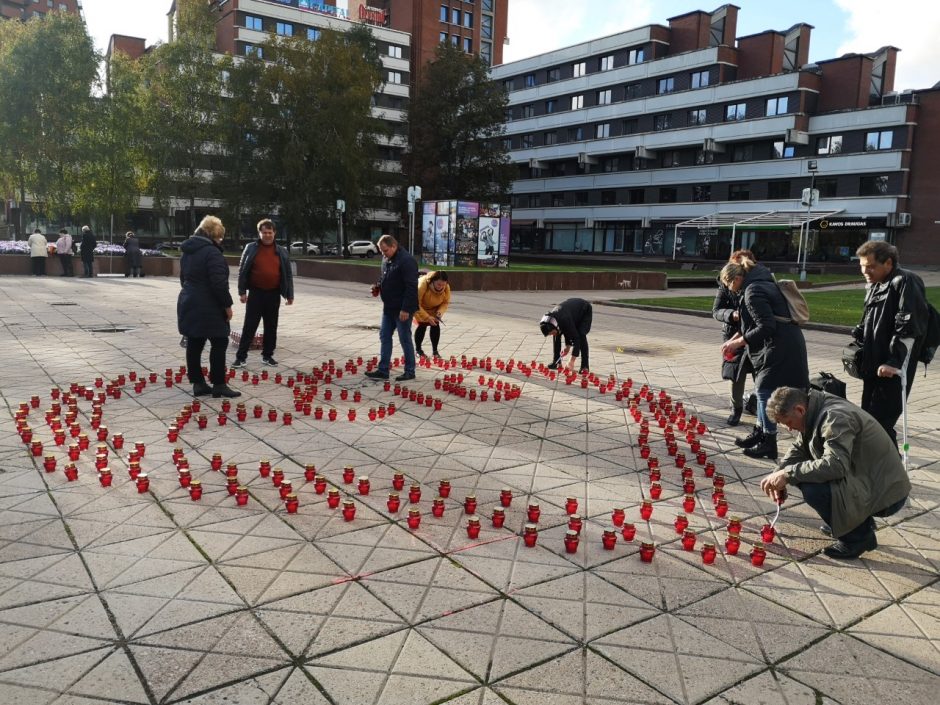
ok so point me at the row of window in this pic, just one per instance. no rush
(287, 29)
(580, 68)
(453, 15)
(457, 40)
(877, 185)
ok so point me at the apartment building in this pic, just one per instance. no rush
(686, 139)
(26, 9)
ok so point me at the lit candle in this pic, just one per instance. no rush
(628, 532)
(688, 540)
(681, 523)
(646, 552)
(758, 555)
(618, 516)
(732, 544)
(734, 526)
(767, 533)
(721, 507)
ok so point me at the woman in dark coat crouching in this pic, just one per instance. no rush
(204, 307)
(775, 346)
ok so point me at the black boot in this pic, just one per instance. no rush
(767, 448)
(201, 389)
(223, 390)
(735, 417)
(750, 440)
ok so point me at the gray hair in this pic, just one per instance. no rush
(783, 401)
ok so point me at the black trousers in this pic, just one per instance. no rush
(435, 336)
(39, 266)
(584, 327)
(881, 397)
(818, 495)
(263, 305)
(66, 261)
(194, 347)
(88, 266)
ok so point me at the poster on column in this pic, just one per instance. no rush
(488, 235)
(465, 236)
(441, 233)
(505, 221)
(427, 232)
(452, 240)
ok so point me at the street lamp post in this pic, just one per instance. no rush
(340, 209)
(810, 199)
(414, 195)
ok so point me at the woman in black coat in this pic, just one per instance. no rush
(736, 366)
(134, 258)
(204, 307)
(775, 346)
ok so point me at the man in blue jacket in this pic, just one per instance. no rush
(399, 290)
(264, 276)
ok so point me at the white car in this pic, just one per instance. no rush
(297, 248)
(363, 248)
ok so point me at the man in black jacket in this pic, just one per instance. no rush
(89, 243)
(891, 331)
(399, 290)
(264, 276)
(571, 319)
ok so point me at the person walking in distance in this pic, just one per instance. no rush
(433, 300)
(88, 245)
(63, 249)
(133, 256)
(570, 319)
(38, 252)
(891, 331)
(264, 276)
(204, 307)
(398, 287)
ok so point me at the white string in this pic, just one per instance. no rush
(776, 516)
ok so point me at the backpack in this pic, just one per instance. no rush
(828, 382)
(799, 309)
(932, 337)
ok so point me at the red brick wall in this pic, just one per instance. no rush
(920, 243)
(760, 55)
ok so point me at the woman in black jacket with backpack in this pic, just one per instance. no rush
(775, 346)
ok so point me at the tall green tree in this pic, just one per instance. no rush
(320, 135)
(48, 68)
(113, 172)
(456, 123)
(184, 88)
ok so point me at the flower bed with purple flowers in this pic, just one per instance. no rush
(21, 247)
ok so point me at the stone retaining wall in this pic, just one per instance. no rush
(152, 266)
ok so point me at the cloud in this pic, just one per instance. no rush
(910, 25)
(538, 26)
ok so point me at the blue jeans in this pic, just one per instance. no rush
(818, 495)
(763, 420)
(390, 323)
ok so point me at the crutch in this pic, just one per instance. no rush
(905, 446)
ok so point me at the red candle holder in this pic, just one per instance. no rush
(530, 534)
(646, 510)
(414, 494)
(709, 553)
(71, 472)
(721, 507)
(393, 503)
(618, 516)
(571, 541)
(102, 433)
(49, 463)
(318, 413)
(681, 523)
(222, 418)
(363, 484)
(277, 477)
(398, 481)
(680, 459)
(443, 489)
(143, 483)
(758, 555)
(533, 512)
(291, 503)
(105, 477)
(437, 507)
(647, 550)
(688, 504)
(332, 498)
(718, 481)
(257, 411)
(438, 404)
(499, 517)
(117, 440)
(351, 415)
(74, 451)
(700, 457)
(709, 469)
(285, 488)
(473, 527)
(319, 484)
(202, 421)
(185, 478)
(310, 472)
(414, 518)
(767, 533)
(505, 497)
(628, 532)
(644, 451)
(656, 490)
(349, 510)
(332, 415)
(688, 540)
(241, 495)
(287, 419)
(734, 526)
(571, 505)
(609, 539)
(133, 468)
(470, 504)
(732, 544)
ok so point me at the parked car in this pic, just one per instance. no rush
(297, 248)
(363, 248)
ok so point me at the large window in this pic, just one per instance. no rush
(253, 23)
(486, 26)
(285, 29)
(468, 19)
(697, 116)
(663, 121)
(635, 56)
(445, 13)
(575, 134)
(606, 63)
(468, 44)
(551, 137)
(665, 85)
(873, 185)
(577, 102)
(528, 111)
(632, 90)
(702, 192)
(602, 130)
(671, 157)
(528, 141)
(603, 97)
(875, 141)
(554, 74)
(776, 106)
(252, 50)
(313, 34)
(629, 126)
(832, 144)
(739, 192)
(551, 105)
(394, 76)
(742, 153)
(699, 79)
(455, 16)
(736, 111)
(668, 194)
(778, 190)
(782, 150)
(703, 157)
(827, 185)
(394, 52)
(579, 69)
(486, 53)
(442, 37)
(530, 80)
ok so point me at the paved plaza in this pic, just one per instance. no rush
(110, 595)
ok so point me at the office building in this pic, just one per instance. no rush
(26, 9)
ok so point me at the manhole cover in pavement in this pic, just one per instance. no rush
(109, 329)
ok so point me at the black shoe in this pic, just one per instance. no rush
(268, 360)
(223, 390)
(435, 353)
(553, 366)
(420, 353)
(184, 341)
(750, 440)
(735, 417)
(767, 448)
(826, 529)
(375, 374)
(406, 377)
(201, 389)
(843, 550)
(239, 364)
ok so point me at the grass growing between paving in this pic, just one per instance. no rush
(842, 307)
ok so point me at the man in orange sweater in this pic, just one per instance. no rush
(264, 276)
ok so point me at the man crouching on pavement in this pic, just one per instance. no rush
(843, 462)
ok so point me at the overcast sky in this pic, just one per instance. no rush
(537, 26)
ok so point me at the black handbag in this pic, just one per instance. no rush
(852, 360)
(828, 382)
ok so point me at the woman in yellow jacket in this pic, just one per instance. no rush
(433, 300)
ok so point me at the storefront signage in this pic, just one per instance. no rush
(843, 223)
(372, 15)
(322, 8)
